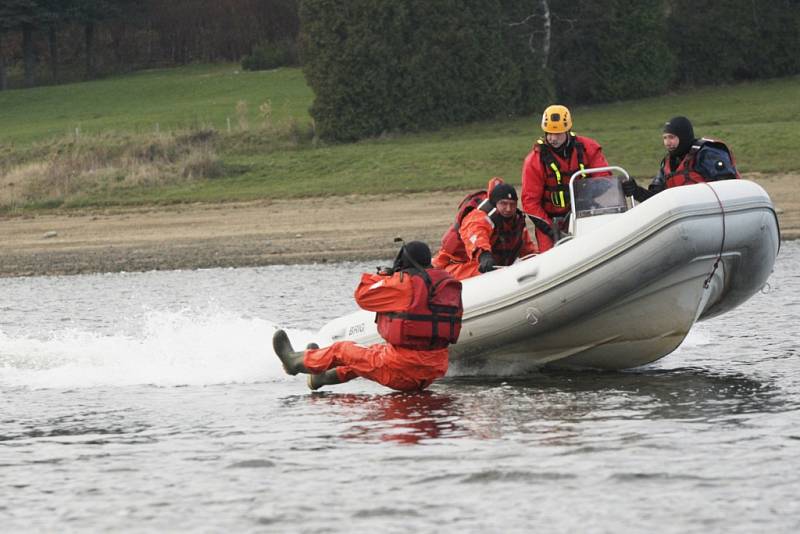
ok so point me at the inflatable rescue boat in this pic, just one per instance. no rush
(621, 289)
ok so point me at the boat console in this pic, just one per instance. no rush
(596, 198)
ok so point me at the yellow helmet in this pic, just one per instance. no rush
(556, 119)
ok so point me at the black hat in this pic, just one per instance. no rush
(502, 192)
(417, 251)
(682, 128)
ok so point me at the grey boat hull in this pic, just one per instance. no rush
(619, 296)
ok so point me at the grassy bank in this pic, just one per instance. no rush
(211, 133)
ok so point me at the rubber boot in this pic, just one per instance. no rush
(317, 380)
(328, 378)
(292, 361)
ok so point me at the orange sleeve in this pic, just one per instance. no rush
(476, 233)
(380, 293)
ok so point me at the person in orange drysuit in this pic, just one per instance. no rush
(491, 233)
(418, 314)
(547, 170)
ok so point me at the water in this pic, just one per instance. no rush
(152, 401)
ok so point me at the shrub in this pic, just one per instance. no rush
(739, 42)
(378, 66)
(609, 50)
(271, 56)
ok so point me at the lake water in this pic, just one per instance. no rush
(153, 401)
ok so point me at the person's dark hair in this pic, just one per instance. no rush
(682, 128)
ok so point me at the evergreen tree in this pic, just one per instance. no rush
(23, 15)
(726, 40)
(385, 65)
(608, 50)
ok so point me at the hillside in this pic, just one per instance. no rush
(121, 196)
(214, 133)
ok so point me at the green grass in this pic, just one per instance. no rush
(760, 121)
(201, 95)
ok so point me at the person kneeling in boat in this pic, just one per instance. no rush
(418, 314)
(688, 161)
(485, 235)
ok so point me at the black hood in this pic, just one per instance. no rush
(682, 128)
(417, 251)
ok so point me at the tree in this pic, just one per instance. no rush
(23, 15)
(610, 50)
(3, 78)
(741, 39)
(384, 65)
(90, 13)
(536, 26)
(528, 34)
(54, 13)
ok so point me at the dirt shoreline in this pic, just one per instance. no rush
(247, 234)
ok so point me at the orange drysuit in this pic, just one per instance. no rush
(479, 233)
(393, 366)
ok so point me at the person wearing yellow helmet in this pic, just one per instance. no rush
(545, 174)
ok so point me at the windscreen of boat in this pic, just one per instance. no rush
(598, 196)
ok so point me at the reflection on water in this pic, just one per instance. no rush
(481, 408)
(407, 418)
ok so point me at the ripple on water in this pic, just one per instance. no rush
(703, 440)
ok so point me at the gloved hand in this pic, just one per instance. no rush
(629, 187)
(385, 271)
(657, 185)
(486, 261)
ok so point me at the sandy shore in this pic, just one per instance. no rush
(255, 233)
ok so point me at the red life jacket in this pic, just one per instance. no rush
(556, 201)
(432, 320)
(451, 240)
(505, 248)
(707, 161)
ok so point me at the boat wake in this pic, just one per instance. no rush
(169, 349)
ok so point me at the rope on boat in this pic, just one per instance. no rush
(722, 245)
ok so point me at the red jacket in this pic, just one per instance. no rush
(542, 184)
(506, 239)
(415, 311)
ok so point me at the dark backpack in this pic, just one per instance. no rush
(714, 162)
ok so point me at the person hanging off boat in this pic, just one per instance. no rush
(419, 313)
(688, 161)
(488, 231)
(547, 169)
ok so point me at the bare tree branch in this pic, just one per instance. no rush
(540, 25)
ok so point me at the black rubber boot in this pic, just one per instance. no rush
(292, 361)
(328, 378)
